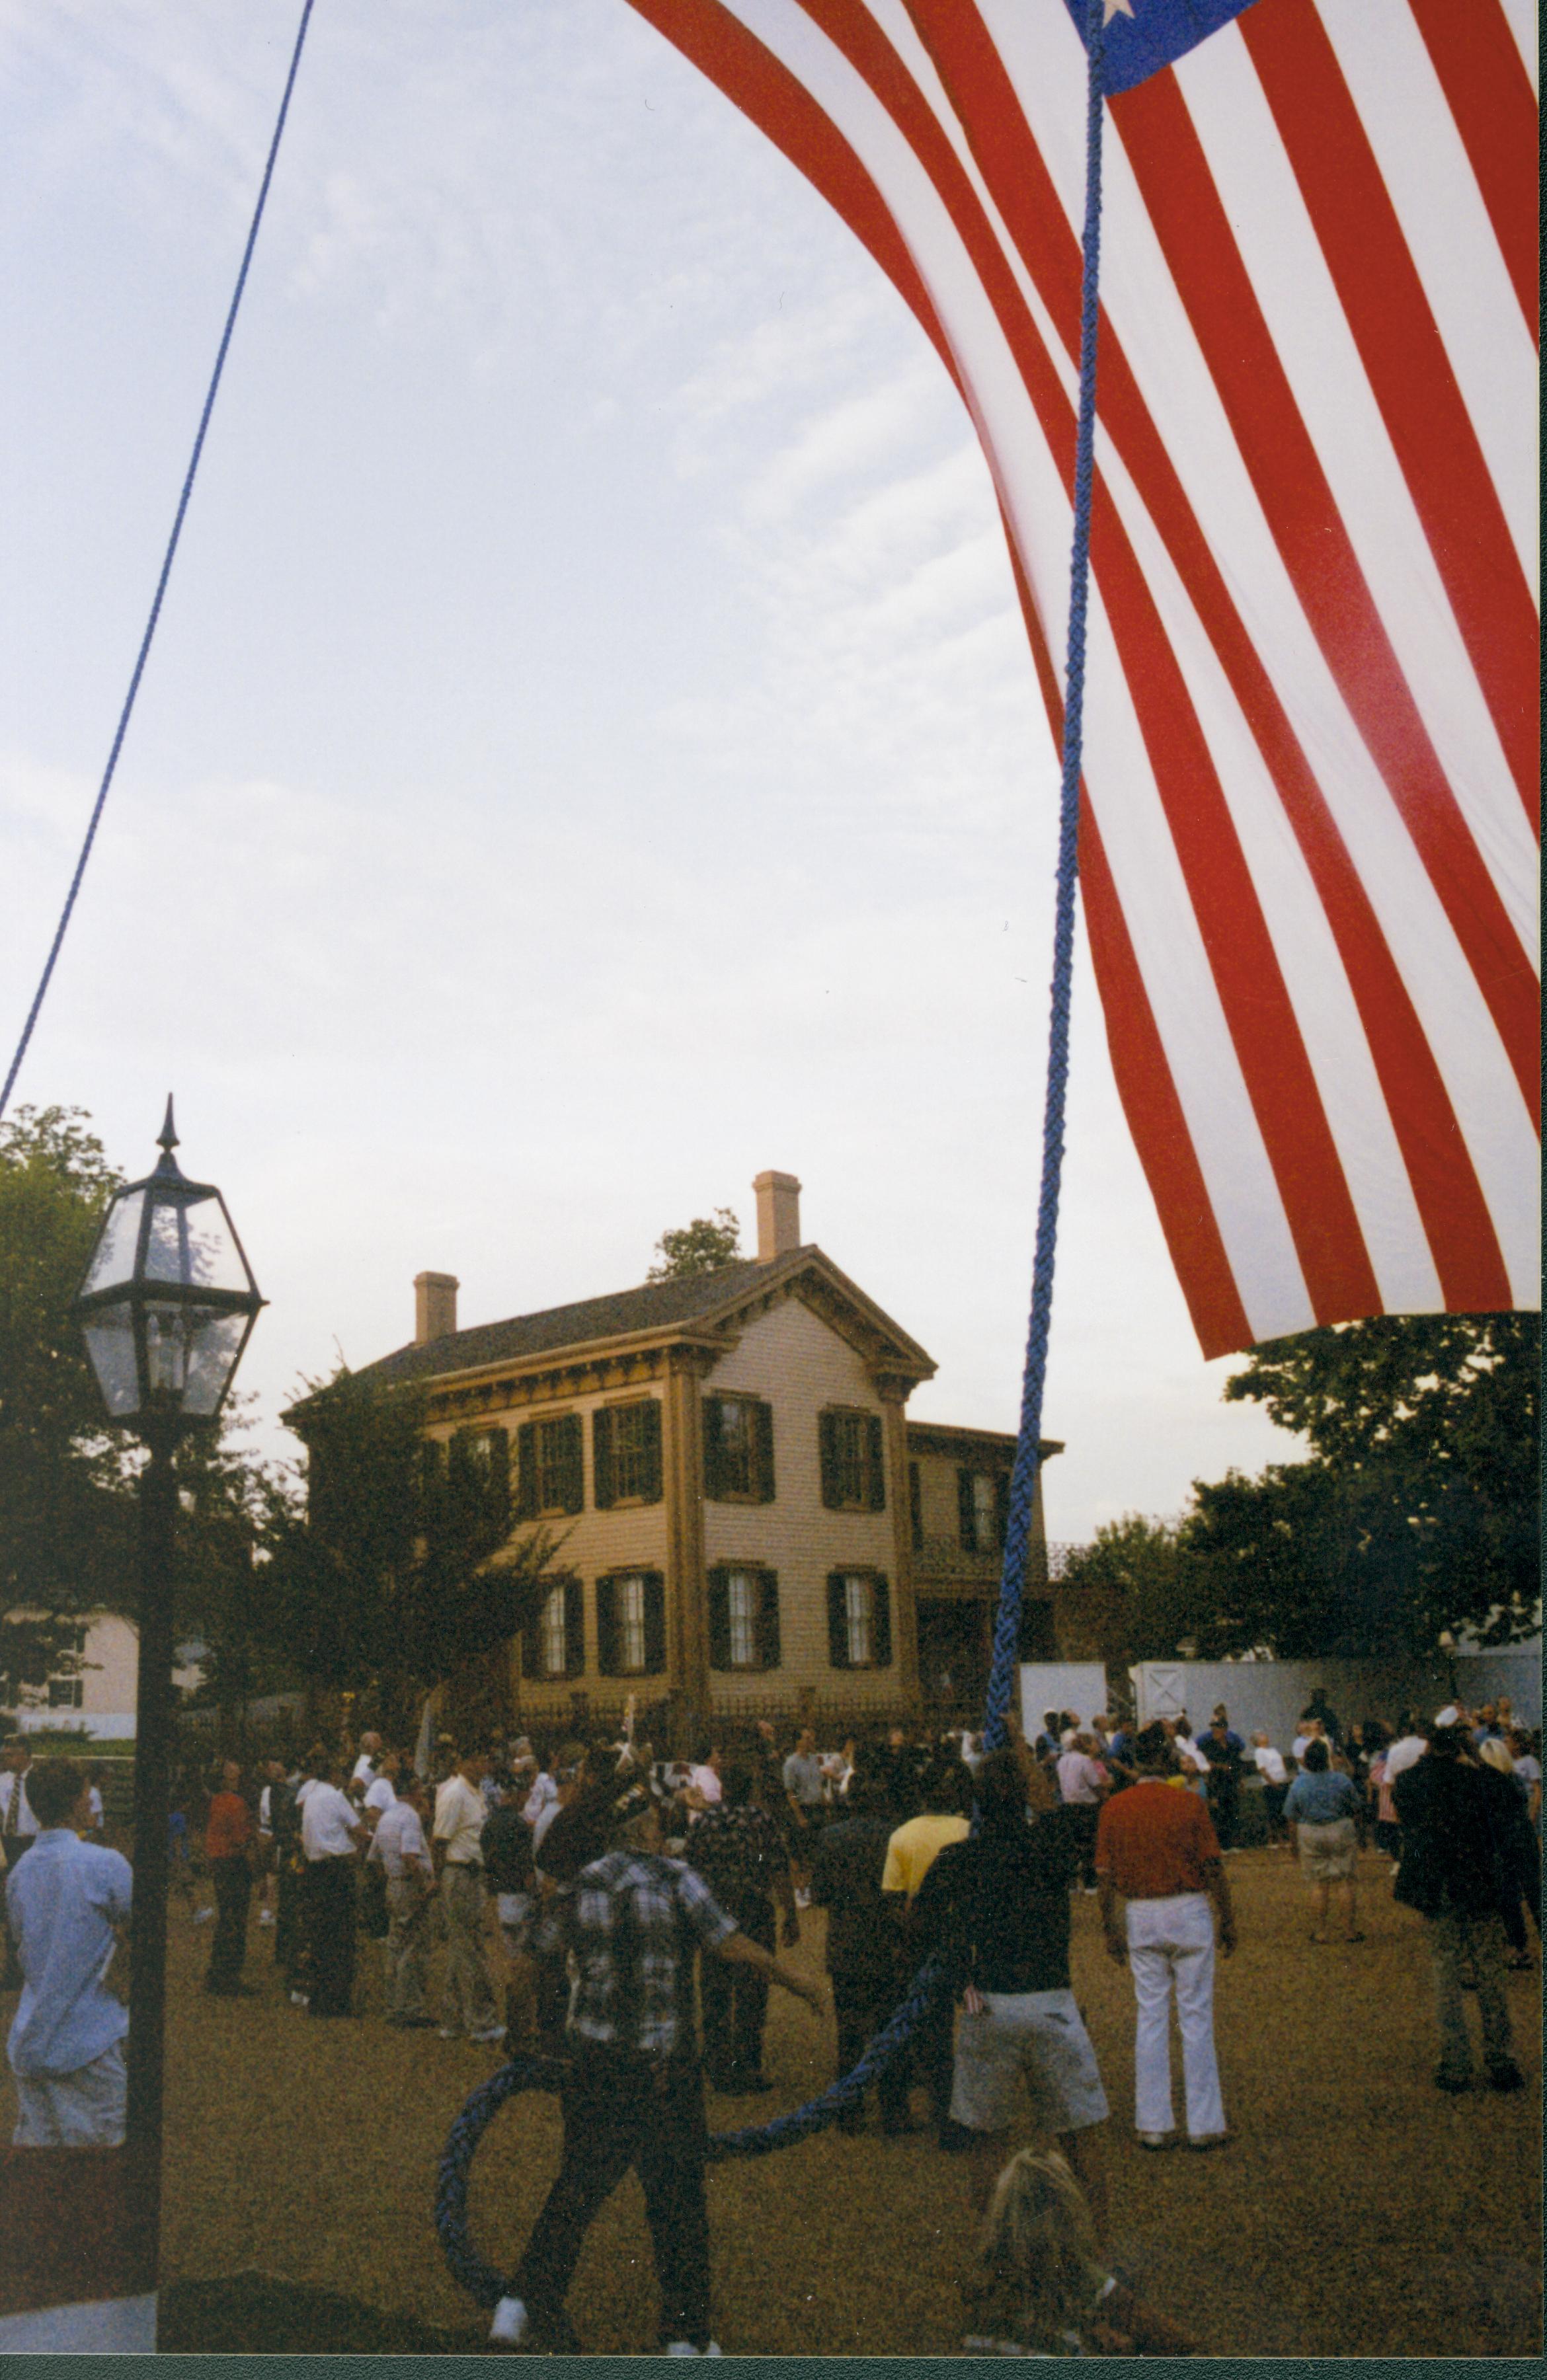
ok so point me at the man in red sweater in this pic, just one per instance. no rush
(1156, 1849)
(228, 1835)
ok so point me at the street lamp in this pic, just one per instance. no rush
(166, 1307)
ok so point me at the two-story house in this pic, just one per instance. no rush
(748, 1526)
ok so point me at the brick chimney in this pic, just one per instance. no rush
(779, 1197)
(434, 1305)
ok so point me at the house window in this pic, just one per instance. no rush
(552, 1464)
(983, 1504)
(859, 1620)
(853, 1462)
(631, 1452)
(741, 1612)
(631, 1623)
(65, 1693)
(553, 1636)
(738, 1449)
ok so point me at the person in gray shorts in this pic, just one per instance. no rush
(996, 1909)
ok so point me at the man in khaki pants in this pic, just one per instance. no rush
(458, 1850)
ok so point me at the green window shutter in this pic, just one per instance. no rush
(525, 1471)
(531, 1640)
(827, 1450)
(838, 1621)
(654, 1622)
(602, 1459)
(1002, 1507)
(916, 1506)
(719, 1619)
(499, 1477)
(762, 1426)
(606, 1627)
(653, 1452)
(574, 1628)
(881, 1621)
(768, 1620)
(711, 1463)
(966, 1512)
(572, 1461)
(877, 1443)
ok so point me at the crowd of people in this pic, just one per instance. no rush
(596, 1903)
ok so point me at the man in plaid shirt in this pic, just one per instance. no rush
(629, 1930)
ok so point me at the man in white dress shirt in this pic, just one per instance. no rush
(458, 1851)
(331, 1835)
(399, 1846)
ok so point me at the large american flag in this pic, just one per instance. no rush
(1308, 841)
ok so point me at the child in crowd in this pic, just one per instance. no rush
(1042, 2286)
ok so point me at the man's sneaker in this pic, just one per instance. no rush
(265, 1917)
(1157, 2140)
(301, 1999)
(201, 1916)
(510, 2324)
(449, 2032)
(488, 2033)
(802, 1898)
(686, 2347)
(1504, 2075)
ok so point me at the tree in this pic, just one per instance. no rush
(401, 1567)
(67, 1514)
(706, 1244)
(1164, 1603)
(1420, 1509)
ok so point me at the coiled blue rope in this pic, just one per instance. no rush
(144, 655)
(483, 2284)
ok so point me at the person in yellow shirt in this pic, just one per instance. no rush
(945, 1790)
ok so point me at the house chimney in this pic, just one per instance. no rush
(434, 1305)
(779, 1197)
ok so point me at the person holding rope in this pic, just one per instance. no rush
(634, 2093)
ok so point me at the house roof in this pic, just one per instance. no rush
(948, 1438)
(704, 1300)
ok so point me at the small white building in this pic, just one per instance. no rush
(95, 1697)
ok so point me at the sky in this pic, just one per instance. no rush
(590, 752)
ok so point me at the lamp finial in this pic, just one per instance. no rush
(167, 1136)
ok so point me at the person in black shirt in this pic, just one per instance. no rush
(863, 1942)
(1451, 1873)
(995, 1910)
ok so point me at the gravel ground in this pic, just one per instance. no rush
(1358, 2211)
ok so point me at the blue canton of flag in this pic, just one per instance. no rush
(1144, 35)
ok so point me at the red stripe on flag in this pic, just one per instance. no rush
(1189, 219)
(1260, 1015)
(1155, 1117)
(1454, 1214)
(1489, 93)
(1139, 1060)
(781, 106)
(1409, 372)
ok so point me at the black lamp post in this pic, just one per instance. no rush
(167, 1308)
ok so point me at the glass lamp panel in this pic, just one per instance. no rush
(114, 1260)
(190, 1241)
(213, 1345)
(109, 1336)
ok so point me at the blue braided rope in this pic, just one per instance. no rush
(1027, 1461)
(109, 771)
(483, 2284)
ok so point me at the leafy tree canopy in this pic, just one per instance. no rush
(402, 1568)
(705, 1244)
(65, 1535)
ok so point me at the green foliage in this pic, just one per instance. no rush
(1416, 1510)
(402, 1568)
(66, 1540)
(705, 1244)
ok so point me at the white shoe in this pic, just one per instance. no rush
(490, 2033)
(265, 1917)
(510, 2324)
(449, 2032)
(201, 1916)
(301, 1999)
(802, 1898)
(686, 2347)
